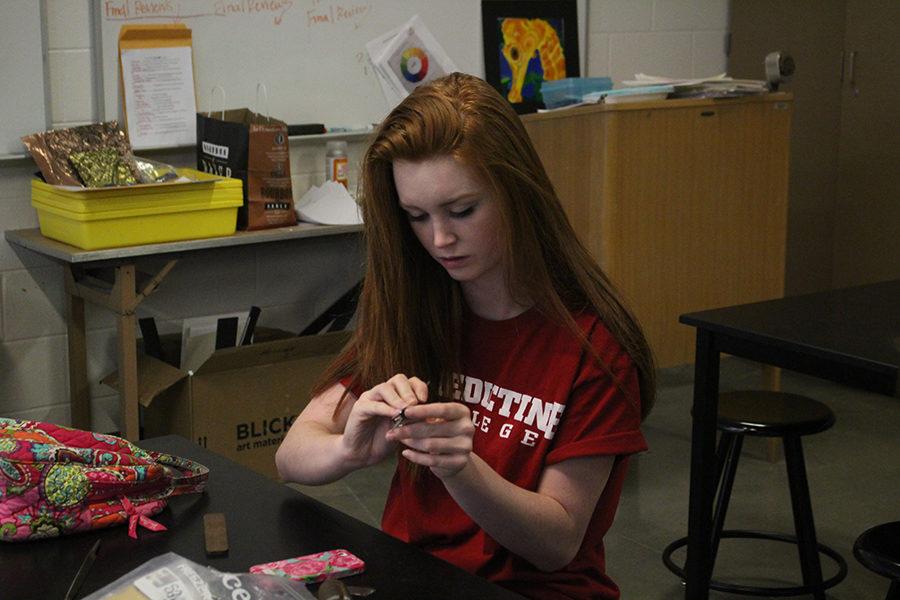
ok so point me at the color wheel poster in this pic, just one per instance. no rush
(411, 63)
(408, 57)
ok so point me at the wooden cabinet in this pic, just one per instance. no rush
(844, 214)
(683, 202)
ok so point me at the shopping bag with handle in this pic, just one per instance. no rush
(252, 147)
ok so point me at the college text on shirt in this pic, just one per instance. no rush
(538, 417)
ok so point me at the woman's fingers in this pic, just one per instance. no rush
(439, 445)
(442, 465)
(370, 417)
(370, 406)
(386, 394)
(433, 428)
(426, 459)
(420, 390)
(399, 392)
(438, 436)
(439, 418)
(448, 411)
(439, 429)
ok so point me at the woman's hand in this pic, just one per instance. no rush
(364, 440)
(438, 436)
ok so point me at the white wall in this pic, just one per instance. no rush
(292, 282)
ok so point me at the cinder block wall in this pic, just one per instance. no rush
(292, 282)
(674, 38)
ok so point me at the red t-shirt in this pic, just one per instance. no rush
(537, 398)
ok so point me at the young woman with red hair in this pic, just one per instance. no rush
(488, 331)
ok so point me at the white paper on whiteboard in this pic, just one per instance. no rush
(159, 97)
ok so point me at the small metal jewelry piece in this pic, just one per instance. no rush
(399, 420)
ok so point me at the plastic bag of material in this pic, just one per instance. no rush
(173, 576)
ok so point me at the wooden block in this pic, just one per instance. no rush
(215, 534)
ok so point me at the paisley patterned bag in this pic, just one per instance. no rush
(57, 480)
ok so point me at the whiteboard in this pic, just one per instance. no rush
(310, 54)
(22, 101)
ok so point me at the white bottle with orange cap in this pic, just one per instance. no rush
(336, 163)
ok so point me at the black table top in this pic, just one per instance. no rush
(265, 520)
(858, 327)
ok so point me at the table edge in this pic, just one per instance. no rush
(31, 239)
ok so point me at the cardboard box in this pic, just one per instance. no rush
(241, 401)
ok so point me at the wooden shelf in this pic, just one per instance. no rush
(33, 240)
(349, 136)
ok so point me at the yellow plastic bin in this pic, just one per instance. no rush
(95, 218)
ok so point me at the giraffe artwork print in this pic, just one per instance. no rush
(523, 41)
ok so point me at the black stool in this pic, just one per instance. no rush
(878, 549)
(769, 414)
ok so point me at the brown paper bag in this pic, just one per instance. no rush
(253, 148)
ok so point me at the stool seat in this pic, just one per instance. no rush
(772, 414)
(878, 549)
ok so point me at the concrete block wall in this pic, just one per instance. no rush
(673, 38)
(292, 282)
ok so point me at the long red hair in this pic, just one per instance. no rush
(410, 310)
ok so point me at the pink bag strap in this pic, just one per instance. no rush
(187, 476)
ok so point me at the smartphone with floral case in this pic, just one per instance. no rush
(313, 568)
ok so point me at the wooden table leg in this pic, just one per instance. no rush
(127, 355)
(703, 466)
(122, 299)
(79, 390)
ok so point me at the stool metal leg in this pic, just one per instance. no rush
(724, 438)
(730, 452)
(727, 456)
(894, 591)
(803, 516)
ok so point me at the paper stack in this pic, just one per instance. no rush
(633, 94)
(406, 57)
(718, 86)
(328, 204)
(652, 87)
